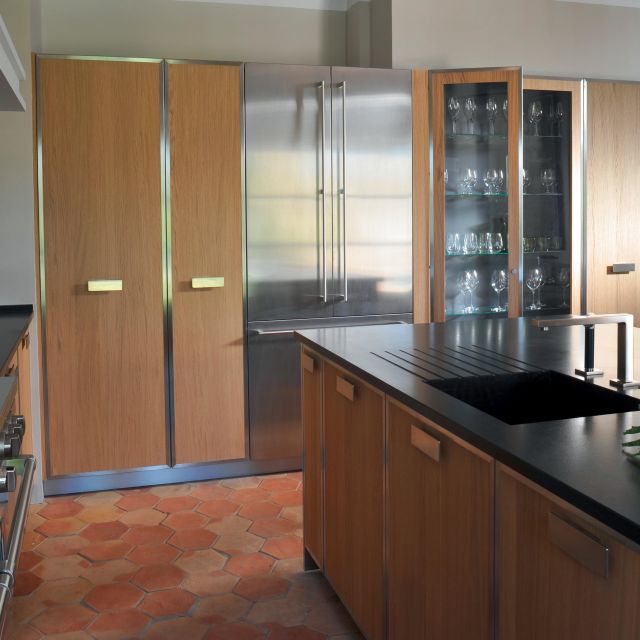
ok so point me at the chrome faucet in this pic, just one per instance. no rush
(625, 343)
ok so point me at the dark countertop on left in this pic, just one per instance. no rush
(14, 321)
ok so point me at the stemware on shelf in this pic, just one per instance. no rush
(453, 244)
(491, 181)
(453, 105)
(564, 280)
(501, 183)
(468, 282)
(497, 243)
(526, 180)
(484, 243)
(534, 115)
(534, 282)
(548, 180)
(468, 181)
(491, 109)
(529, 244)
(470, 243)
(505, 109)
(556, 116)
(470, 110)
(542, 243)
(499, 283)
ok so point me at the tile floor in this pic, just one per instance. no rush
(219, 560)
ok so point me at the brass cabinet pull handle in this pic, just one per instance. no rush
(207, 283)
(429, 445)
(345, 388)
(308, 363)
(96, 286)
(581, 545)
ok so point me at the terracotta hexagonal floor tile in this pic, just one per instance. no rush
(30, 540)
(288, 567)
(63, 619)
(284, 547)
(177, 503)
(185, 520)
(28, 560)
(292, 513)
(171, 490)
(226, 607)
(177, 629)
(234, 631)
(64, 591)
(106, 550)
(278, 485)
(201, 561)
(270, 527)
(26, 582)
(100, 513)
(250, 482)
(279, 611)
(192, 539)
(261, 587)
(257, 510)
(60, 526)
(107, 597)
(134, 501)
(229, 524)
(160, 576)
(250, 564)
(218, 508)
(63, 546)
(99, 498)
(100, 531)
(298, 632)
(210, 491)
(110, 571)
(287, 498)
(169, 602)
(145, 534)
(330, 618)
(245, 496)
(145, 517)
(153, 554)
(209, 584)
(61, 567)
(16, 631)
(119, 624)
(236, 543)
(60, 510)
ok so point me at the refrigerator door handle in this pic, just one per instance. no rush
(343, 191)
(323, 192)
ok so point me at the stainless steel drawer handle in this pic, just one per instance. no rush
(308, 363)
(422, 441)
(581, 545)
(345, 388)
(97, 286)
(207, 283)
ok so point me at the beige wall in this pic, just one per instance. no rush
(194, 30)
(544, 36)
(358, 35)
(381, 32)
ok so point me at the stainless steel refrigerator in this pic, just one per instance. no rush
(328, 228)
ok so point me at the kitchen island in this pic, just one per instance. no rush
(425, 513)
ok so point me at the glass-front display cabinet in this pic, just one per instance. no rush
(551, 229)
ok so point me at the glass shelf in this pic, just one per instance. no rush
(473, 196)
(480, 311)
(472, 255)
(531, 136)
(476, 137)
(554, 193)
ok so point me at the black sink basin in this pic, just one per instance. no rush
(522, 398)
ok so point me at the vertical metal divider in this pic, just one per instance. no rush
(385, 516)
(584, 213)
(431, 200)
(167, 276)
(520, 229)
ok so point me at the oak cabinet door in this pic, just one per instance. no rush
(560, 576)
(103, 254)
(206, 255)
(440, 526)
(354, 519)
(24, 391)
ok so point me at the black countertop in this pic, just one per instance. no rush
(14, 321)
(578, 459)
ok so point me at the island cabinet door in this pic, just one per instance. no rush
(560, 575)
(311, 373)
(354, 446)
(440, 532)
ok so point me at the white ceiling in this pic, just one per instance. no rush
(608, 3)
(327, 5)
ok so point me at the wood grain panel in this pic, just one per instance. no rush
(421, 186)
(613, 196)
(574, 87)
(206, 226)
(313, 473)
(543, 591)
(354, 518)
(24, 391)
(512, 76)
(440, 535)
(102, 219)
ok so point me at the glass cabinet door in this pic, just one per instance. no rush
(551, 166)
(477, 194)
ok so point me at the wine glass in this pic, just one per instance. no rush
(470, 243)
(491, 108)
(548, 179)
(499, 284)
(534, 115)
(505, 109)
(463, 288)
(454, 112)
(500, 180)
(556, 115)
(534, 282)
(453, 243)
(491, 179)
(526, 180)
(564, 280)
(470, 109)
(497, 243)
(469, 179)
(472, 283)
(484, 243)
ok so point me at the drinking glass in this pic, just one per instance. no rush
(470, 110)
(557, 115)
(534, 115)
(454, 112)
(497, 243)
(484, 243)
(472, 283)
(534, 282)
(499, 284)
(501, 184)
(463, 288)
(491, 179)
(548, 179)
(526, 180)
(564, 280)
(470, 243)
(453, 243)
(529, 244)
(469, 179)
(491, 108)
